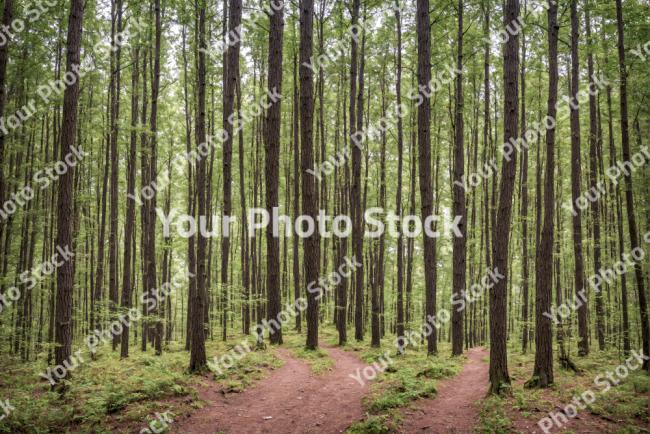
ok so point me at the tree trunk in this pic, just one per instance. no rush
(459, 205)
(65, 216)
(129, 224)
(273, 124)
(543, 370)
(400, 165)
(498, 294)
(629, 197)
(197, 354)
(234, 22)
(309, 199)
(424, 144)
(595, 211)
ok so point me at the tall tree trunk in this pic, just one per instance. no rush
(357, 212)
(459, 205)
(65, 216)
(155, 85)
(524, 205)
(129, 224)
(273, 124)
(115, 114)
(424, 144)
(309, 199)
(7, 16)
(629, 197)
(197, 355)
(296, 190)
(543, 370)
(498, 294)
(595, 211)
(400, 162)
(234, 22)
(576, 175)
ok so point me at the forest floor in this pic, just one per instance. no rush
(288, 389)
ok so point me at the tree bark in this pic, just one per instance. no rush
(309, 199)
(197, 355)
(498, 294)
(65, 216)
(543, 370)
(629, 196)
(576, 175)
(273, 124)
(595, 208)
(459, 204)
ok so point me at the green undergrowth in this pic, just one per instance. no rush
(112, 395)
(409, 378)
(625, 403)
(318, 360)
(374, 425)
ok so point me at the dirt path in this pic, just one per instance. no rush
(296, 401)
(452, 410)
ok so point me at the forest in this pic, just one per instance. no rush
(324, 216)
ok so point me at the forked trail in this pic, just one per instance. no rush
(295, 401)
(291, 400)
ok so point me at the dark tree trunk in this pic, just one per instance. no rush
(459, 205)
(524, 205)
(155, 85)
(273, 123)
(357, 211)
(4, 57)
(498, 294)
(424, 144)
(234, 21)
(129, 224)
(400, 165)
(595, 211)
(296, 190)
(543, 371)
(115, 114)
(576, 175)
(629, 197)
(65, 216)
(197, 355)
(309, 199)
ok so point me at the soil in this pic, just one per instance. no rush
(452, 410)
(290, 400)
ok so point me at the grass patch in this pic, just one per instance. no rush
(108, 394)
(319, 359)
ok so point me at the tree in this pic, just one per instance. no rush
(576, 175)
(7, 16)
(543, 370)
(400, 159)
(460, 207)
(424, 144)
(65, 273)
(198, 359)
(629, 196)
(273, 124)
(234, 23)
(309, 200)
(498, 295)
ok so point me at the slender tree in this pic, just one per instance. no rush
(273, 123)
(65, 216)
(309, 199)
(543, 370)
(459, 204)
(629, 196)
(499, 375)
